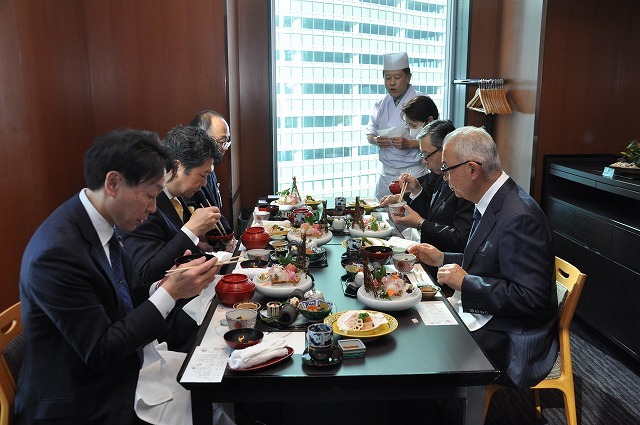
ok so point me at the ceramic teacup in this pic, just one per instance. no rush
(404, 262)
(319, 335)
(338, 224)
(259, 216)
(321, 354)
(398, 208)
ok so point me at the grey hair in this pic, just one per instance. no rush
(475, 144)
(438, 130)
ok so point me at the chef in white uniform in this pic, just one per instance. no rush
(398, 149)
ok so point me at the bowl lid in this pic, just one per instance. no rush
(235, 282)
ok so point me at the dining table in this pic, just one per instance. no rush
(415, 361)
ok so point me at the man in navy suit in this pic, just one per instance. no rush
(443, 219)
(84, 322)
(217, 128)
(505, 278)
(171, 229)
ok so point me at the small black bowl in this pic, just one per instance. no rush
(243, 337)
(253, 264)
(379, 254)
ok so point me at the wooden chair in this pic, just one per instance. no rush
(11, 348)
(569, 283)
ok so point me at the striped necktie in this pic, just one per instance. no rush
(115, 256)
(476, 220)
(178, 207)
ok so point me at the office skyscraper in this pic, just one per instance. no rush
(328, 75)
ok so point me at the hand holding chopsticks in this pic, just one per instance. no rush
(218, 225)
(231, 260)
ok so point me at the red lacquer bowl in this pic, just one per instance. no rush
(255, 238)
(235, 288)
(394, 187)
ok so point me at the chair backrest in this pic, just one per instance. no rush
(11, 348)
(572, 280)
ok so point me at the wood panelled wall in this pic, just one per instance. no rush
(589, 95)
(71, 70)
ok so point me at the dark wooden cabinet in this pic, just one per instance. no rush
(596, 225)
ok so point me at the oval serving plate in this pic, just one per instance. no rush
(281, 290)
(385, 329)
(357, 233)
(294, 235)
(404, 302)
(287, 207)
(263, 365)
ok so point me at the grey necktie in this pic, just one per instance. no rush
(476, 220)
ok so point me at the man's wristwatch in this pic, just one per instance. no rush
(419, 227)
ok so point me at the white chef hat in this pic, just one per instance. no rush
(395, 61)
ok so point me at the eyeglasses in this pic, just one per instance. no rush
(224, 143)
(427, 156)
(445, 170)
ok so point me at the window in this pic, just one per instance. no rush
(328, 71)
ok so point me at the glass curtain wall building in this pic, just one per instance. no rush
(328, 75)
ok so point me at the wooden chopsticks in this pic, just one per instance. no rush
(219, 226)
(404, 187)
(231, 260)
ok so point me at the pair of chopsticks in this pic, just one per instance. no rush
(231, 260)
(219, 226)
(404, 186)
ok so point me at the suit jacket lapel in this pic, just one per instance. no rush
(442, 197)
(166, 208)
(487, 222)
(97, 251)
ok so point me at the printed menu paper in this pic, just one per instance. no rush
(435, 313)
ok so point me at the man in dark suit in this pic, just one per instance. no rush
(442, 219)
(217, 128)
(84, 322)
(173, 227)
(505, 278)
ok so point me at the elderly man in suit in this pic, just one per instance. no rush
(504, 279)
(443, 219)
(84, 321)
(214, 124)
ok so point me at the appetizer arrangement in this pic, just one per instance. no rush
(370, 223)
(278, 274)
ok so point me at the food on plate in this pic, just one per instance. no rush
(277, 230)
(361, 321)
(278, 274)
(371, 223)
(311, 229)
(387, 286)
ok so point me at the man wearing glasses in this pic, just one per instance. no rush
(505, 279)
(217, 128)
(442, 219)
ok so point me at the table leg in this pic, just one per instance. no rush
(201, 408)
(473, 410)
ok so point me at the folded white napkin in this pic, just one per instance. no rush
(221, 255)
(259, 353)
(401, 242)
(198, 306)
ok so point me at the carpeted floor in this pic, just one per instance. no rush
(607, 390)
(607, 385)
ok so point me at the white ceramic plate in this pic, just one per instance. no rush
(294, 235)
(357, 233)
(371, 242)
(404, 302)
(282, 290)
(287, 207)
